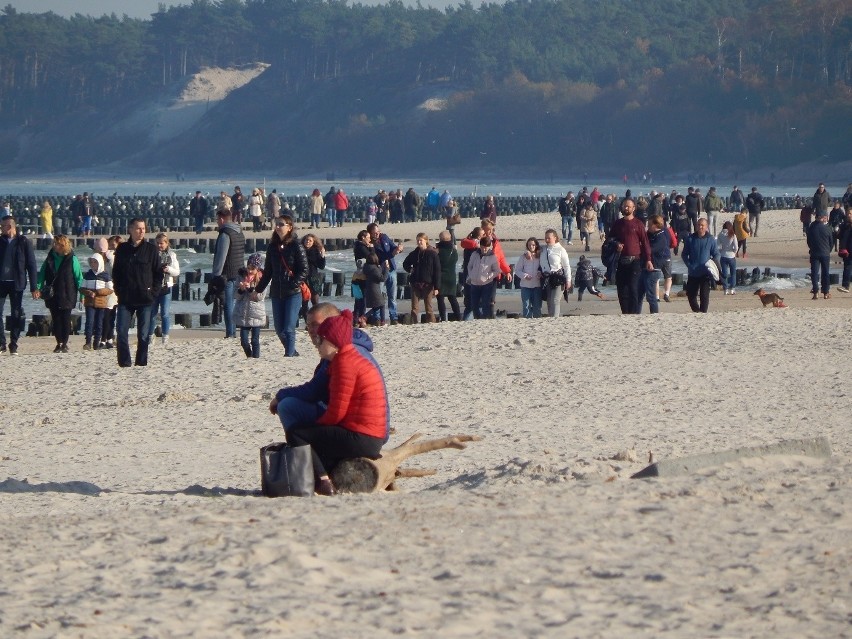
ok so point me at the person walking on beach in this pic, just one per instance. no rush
(728, 247)
(198, 211)
(634, 255)
(46, 219)
(585, 279)
(95, 289)
(755, 205)
(228, 258)
(273, 205)
(250, 310)
(737, 199)
(567, 212)
(659, 242)
(286, 267)
(59, 281)
(17, 265)
(693, 206)
(821, 200)
(424, 270)
(698, 250)
(587, 222)
(713, 205)
(555, 272)
(448, 257)
(315, 252)
(483, 270)
(387, 251)
(489, 210)
(169, 270)
(742, 230)
(373, 287)
(820, 244)
(137, 276)
(528, 271)
(844, 250)
(238, 204)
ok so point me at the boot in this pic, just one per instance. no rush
(88, 345)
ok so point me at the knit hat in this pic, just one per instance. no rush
(257, 260)
(338, 329)
(101, 245)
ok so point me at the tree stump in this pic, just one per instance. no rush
(362, 475)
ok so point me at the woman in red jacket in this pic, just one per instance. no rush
(353, 425)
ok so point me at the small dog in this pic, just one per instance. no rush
(770, 298)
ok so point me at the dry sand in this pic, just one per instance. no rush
(535, 531)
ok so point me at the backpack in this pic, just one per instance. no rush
(672, 238)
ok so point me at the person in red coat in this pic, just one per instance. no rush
(353, 425)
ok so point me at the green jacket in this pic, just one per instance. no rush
(448, 256)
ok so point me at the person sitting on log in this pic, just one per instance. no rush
(304, 404)
(354, 423)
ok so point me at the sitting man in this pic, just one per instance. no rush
(305, 404)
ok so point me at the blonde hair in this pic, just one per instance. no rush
(62, 244)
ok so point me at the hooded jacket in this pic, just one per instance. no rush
(97, 285)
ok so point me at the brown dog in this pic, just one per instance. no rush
(770, 298)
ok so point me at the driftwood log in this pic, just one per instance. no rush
(362, 475)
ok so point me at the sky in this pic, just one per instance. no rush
(137, 8)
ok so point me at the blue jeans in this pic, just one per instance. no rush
(847, 272)
(250, 340)
(294, 412)
(729, 272)
(339, 217)
(480, 300)
(161, 305)
(819, 273)
(122, 326)
(94, 323)
(531, 301)
(315, 219)
(230, 327)
(567, 227)
(199, 224)
(390, 287)
(285, 316)
(651, 279)
(16, 299)
(329, 216)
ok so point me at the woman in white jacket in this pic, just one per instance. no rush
(555, 272)
(256, 210)
(171, 270)
(528, 271)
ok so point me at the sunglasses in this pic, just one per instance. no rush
(281, 224)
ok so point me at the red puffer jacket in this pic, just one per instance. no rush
(357, 395)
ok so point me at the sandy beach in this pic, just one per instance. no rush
(535, 531)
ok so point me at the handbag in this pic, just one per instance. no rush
(286, 471)
(454, 219)
(304, 289)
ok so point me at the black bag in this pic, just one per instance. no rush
(555, 279)
(47, 293)
(286, 471)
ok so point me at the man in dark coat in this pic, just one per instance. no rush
(137, 276)
(17, 263)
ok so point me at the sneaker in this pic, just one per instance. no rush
(63, 348)
(109, 344)
(842, 289)
(570, 243)
(733, 291)
(13, 349)
(666, 298)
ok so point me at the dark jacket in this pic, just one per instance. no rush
(24, 264)
(448, 257)
(755, 203)
(230, 252)
(316, 263)
(374, 286)
(198, 206)
(136, 273)
(424, 267)
(63, 282)
(693, 203)
(820, 239)
(660, 251)
(284, 281)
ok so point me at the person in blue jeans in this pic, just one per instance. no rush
(387, 251)
(163, 301)
(286, 269)
(228, 259)
(728, 247)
